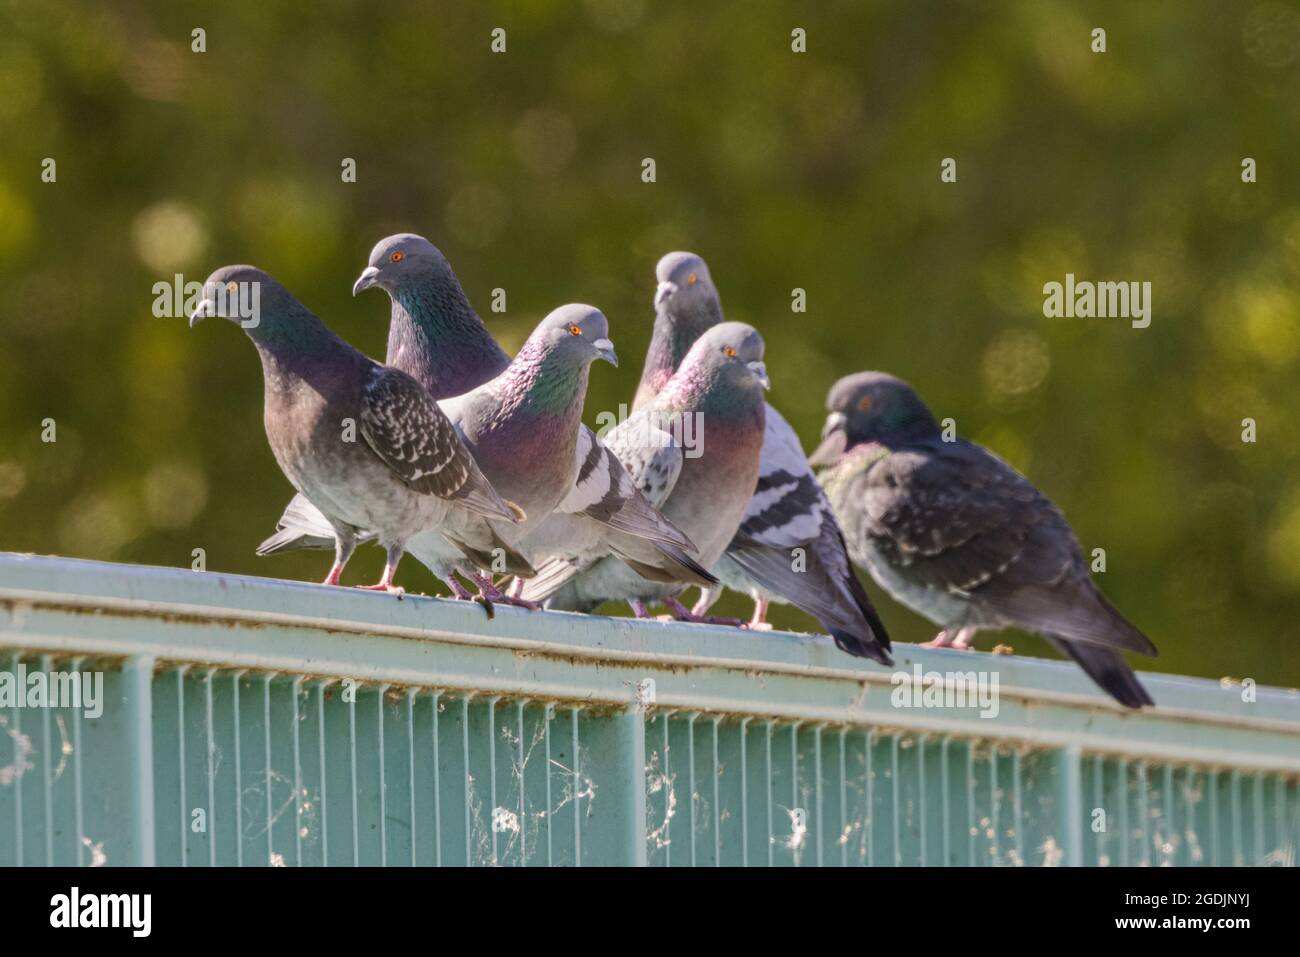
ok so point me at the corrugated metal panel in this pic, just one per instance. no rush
(251, 722)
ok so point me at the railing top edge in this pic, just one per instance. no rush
(153, 591)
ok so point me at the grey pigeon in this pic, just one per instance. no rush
(702, 485)
(436, 337)
(434, 334)
(522, 425)
(362, 443)
(524, 428)
(958, 535)
(789, 547)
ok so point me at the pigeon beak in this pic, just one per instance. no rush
(202, 311)
(835, 422)
(835, 439)
(663, 292)
(368, 277)
(760, 373)
(605, 349)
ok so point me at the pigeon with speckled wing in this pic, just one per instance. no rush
(958, 535)
(434, 336)
(403, 472)
(789, 547)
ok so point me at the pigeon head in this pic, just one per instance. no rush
(400, 259)
(246, 295)
(872, 407)
(576, 333)
(685, 286)
(730, 356)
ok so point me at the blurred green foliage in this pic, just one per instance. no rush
(816, 170)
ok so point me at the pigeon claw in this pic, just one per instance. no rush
(397, 590)
(960, 638)
(491, 592)
(682, 613)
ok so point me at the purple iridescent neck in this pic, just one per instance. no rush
(674, 334)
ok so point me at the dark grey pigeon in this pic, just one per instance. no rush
(958, 535)
(701, 486)
(362, 443)
(789, 547)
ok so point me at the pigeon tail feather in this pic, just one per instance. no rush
(301, 526)
(1109, 670)
(1087, 617)
(838, 602)
(677, 566)
(549, 578)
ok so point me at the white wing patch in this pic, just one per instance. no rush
(788, 506)
(592, 479)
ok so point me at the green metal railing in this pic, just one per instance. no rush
(255, 722)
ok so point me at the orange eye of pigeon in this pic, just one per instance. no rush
(398, 256)
(729, 352)
(864, 404)
(691, 279)
(575, 329)
(232, 286)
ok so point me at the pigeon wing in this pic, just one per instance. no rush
(414, 438)
(954, 516)
(607, 487)
(651, 455)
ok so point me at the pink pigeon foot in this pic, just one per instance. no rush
(385, 583)
(380, 586)
(965, 639)
(759, 621)
(961, 639)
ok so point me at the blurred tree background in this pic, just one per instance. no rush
(817, 170)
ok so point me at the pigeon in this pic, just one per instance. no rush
(437, 338)
(789, 548)
(434, 335)
(956, 534)
(522, 425)
(524, 428)
(694, 451)
(361, 442)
